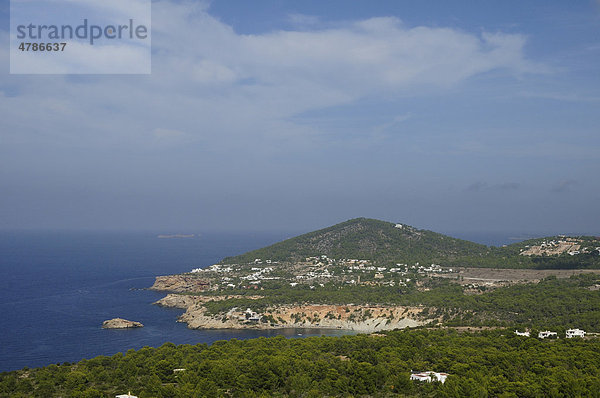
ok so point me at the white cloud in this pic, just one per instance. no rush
(210, 81)
(374, 55)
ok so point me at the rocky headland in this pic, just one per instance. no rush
(180, 283)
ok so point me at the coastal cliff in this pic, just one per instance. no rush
(364, 319)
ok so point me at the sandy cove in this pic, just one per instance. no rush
(363, 319)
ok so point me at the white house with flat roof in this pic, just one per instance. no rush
(526, 334)
(575, 333)
(429, 376)
(547, 334)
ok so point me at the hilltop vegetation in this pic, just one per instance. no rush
(368, 239)
(387, 243)
(493, 363)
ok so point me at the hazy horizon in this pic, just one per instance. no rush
(490, 238)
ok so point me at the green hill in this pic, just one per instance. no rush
(387, 243)
(367, 239)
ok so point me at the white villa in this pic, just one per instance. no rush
(547, 334)
(250, 316)
(575, 333)
(128, 395)
(429, 376)
(526, 334)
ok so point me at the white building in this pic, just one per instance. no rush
(429, 376)
(575, 333)
(251, 316)
(128, 395)
(526, 334)
(547, 334)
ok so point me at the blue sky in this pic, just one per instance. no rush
(281, 115)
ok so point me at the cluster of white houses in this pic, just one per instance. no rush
(548, 334)
(316, 268)
(213, 268)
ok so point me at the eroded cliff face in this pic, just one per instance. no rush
(185, 283)
(200, 320)
(187, 301)
(364, 319)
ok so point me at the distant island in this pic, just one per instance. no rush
(368, 275)
(177, 236)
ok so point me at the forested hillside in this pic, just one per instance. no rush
(368, 239)
(493, 363)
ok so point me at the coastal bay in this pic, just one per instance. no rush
(58, 288)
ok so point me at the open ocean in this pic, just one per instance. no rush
(56, 289)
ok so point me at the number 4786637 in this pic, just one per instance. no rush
(42, 46)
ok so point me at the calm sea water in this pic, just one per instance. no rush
(56, 289)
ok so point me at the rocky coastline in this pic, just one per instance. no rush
(362, 319)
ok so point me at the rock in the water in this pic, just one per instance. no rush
(119, 323)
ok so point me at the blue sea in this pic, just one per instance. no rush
(56, 289)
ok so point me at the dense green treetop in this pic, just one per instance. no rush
(493, 363)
